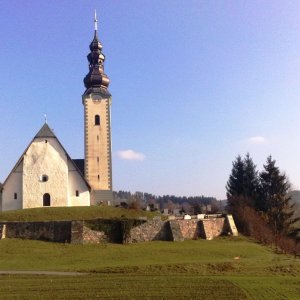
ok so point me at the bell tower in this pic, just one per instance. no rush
(97, 132)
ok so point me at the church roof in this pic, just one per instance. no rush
(44, 132)
(79, 163)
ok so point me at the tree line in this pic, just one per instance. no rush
(261, 201)
(192, 205)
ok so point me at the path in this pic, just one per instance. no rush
(54, 273)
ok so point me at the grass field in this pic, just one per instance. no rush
(224, 268)
(72, 213)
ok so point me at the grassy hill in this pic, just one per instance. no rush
(224, 268)
(72, 213)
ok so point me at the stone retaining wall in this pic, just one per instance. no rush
(211, 228)
(54, 231)
(80, 234)
(116, 231)
(189, 229)
(150, 231)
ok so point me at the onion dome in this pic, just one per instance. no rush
(96, 80)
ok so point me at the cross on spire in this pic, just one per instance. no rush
(96, 21)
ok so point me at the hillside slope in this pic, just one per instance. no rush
(72, 213)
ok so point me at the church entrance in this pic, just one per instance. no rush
(46, 199)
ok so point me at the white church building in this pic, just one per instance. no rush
(45, 175)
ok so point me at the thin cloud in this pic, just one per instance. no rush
(130, 155)
(256, 140)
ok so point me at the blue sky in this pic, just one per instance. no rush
(194, 84)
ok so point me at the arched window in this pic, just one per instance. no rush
(46, 199)
(97, 120)
(77, 193)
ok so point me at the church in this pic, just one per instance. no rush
(45, 175)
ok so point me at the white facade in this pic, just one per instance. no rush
(12, 194)
(45, 175)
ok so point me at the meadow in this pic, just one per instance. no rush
(224, 268)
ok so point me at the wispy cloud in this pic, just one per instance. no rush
(130, 155)
(257, 140)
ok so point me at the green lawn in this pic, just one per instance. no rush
(72, 213)
(224, 268)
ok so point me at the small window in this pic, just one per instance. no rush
(77, 193)
(44, 178)
(97, 158)
(15, 196)
(98, 177)
(46, 141)
(97, 120)
(97, 137)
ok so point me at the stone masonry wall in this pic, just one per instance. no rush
(77, 232)
(93, 237)
(54, 231)
(101, 231)
(150, 231)
(211, 228)
(189, 229)
(80, 234)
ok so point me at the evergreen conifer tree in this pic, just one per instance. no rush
(243, 184)
(275, 198)
(251, 181)
(235, 183)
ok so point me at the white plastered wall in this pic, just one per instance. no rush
(76, 183)
(12, 185)
(45, 156)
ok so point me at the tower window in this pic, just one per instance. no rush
(98, 177)
(77, 193)
(15, 196)
(97, 120)
(46, 141)
(97, 158)
(46, 199)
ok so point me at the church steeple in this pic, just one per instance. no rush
(96, 80)
(97, 130)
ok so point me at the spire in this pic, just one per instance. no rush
(96, 80)
(96, 21)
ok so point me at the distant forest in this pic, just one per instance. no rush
(195, 204)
